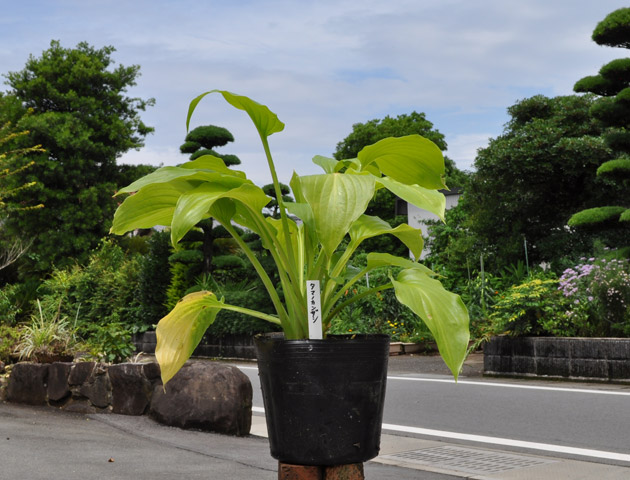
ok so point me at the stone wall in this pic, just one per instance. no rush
(229, 346)
(593, 359)
(203, 395)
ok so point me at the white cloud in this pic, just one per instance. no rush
(462, 149)
(325, 65)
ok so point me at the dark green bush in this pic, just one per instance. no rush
(100, 298)
(379, 312)
(248, 294)
(154, 280)
(9, 338)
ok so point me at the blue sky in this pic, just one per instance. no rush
(324, 65)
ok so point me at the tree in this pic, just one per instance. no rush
(273, 206)
(83, 119)
(364, 134)
(384, 203)
(204, 139)
(201, 141)
(612, 109)
(13, 160)
(530, 180)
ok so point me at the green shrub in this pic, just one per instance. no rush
(8, 307)
(154, 280)
(97, 295)
(9, 338)
(46, 336)
(110, 343)
(246, 293)
(380, 313)
(535, 307)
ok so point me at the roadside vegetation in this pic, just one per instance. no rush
(537, 245)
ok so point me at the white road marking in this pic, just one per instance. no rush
(499, 385)
(514, 385)
(505, 442)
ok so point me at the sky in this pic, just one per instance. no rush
(324, 65)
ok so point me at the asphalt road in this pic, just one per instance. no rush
(584, 421)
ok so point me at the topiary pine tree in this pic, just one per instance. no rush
(612, 84)
(202, 141)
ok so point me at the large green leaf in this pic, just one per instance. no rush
(376, 260)
(152, 205)
(330, 165)
(430, 200)
(265, 120)
(161, 175)
(194, 205)
(179, 333)
(168, 174)
(442, 311)
(337, 201)
(368, 226)
(215, 164)
(413, 160)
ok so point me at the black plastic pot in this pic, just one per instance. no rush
(323, 398)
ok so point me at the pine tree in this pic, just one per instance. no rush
(612, 109)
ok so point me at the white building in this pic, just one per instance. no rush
(418, 218)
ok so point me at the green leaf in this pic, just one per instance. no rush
(337, 201)
(330, 165)
(442, 311)
(430, 200)
(179, 333)
(151, 206)
(376, 260)
(266, 122)
(369, 226)
(212, 163)
(168, 174)
(195, 205)
(161, 175)
(412, 160)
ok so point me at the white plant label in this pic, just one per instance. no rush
(314, 308)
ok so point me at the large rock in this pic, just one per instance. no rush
(206, 396)
(27, 383)
(97, 387)
(80, 372)
(131, 390)
(58, 374)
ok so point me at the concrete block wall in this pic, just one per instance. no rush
(233, 346)
(594, 359)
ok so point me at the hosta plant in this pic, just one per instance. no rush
(314, 238)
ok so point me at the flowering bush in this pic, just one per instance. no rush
(599, 292)
(534, 307)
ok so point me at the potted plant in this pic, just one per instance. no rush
(312, 241)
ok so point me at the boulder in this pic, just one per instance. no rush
(131, 390)
(58, 374)
(97, 387)
(80, 405)
(206, 396)
(27, 383)
(151, 371)
(80, 372)
(3, 388)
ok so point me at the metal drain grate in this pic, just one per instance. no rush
(467, 460)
